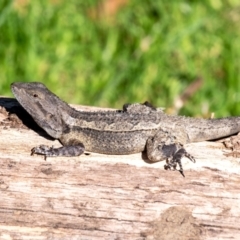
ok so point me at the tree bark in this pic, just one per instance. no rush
(98, 196)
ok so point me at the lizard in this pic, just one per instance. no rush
(135, 128)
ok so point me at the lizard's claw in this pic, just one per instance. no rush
(42, 150)
(176, 160)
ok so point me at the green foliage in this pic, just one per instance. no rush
(148, 50)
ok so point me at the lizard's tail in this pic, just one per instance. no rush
(209, 129)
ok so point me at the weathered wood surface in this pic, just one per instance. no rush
(113, 197)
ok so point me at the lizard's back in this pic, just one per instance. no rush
(111, 132)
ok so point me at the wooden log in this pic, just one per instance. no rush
(98, 196)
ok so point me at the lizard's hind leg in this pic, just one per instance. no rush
(176, 157)
(167, 146)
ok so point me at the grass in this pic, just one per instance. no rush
(151, 50)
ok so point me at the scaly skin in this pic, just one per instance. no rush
(135, 128)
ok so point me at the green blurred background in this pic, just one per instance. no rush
(182, 55)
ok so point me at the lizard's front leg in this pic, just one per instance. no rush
(67, 151)
(166, 146)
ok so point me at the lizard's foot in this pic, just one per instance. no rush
(67, 151)
(176, 160)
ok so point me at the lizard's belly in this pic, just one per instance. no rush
(108, 142)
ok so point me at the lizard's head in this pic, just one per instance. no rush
(41, 104)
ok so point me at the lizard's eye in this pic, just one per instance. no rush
(35, 95)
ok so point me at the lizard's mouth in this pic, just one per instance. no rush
(18, 90)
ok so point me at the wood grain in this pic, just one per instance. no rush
(98, 196)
